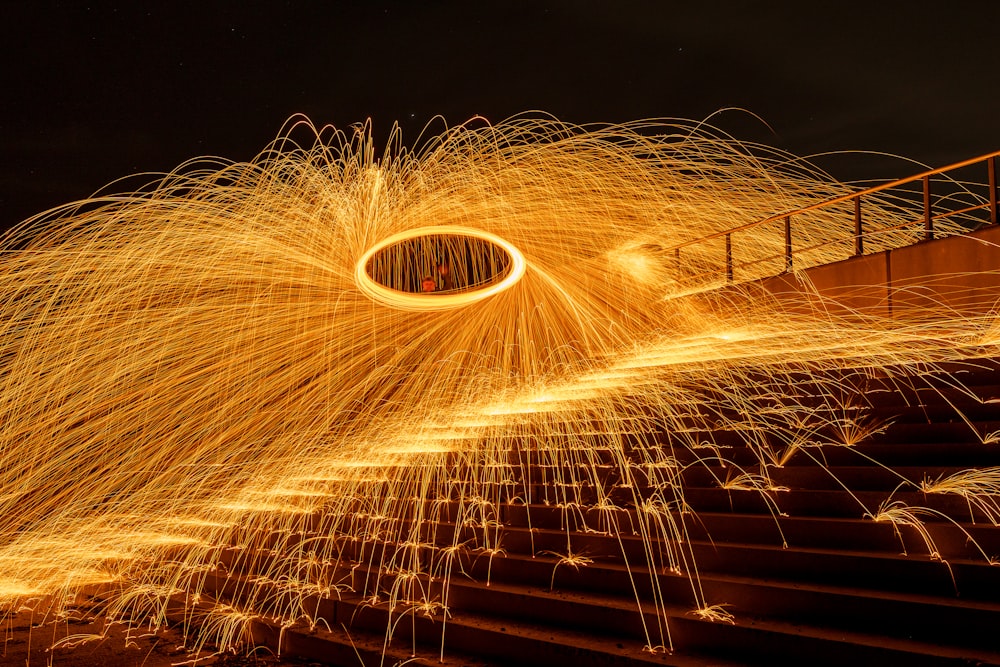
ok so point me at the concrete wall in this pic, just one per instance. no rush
(959, 273)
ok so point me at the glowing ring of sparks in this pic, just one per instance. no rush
(434, 301)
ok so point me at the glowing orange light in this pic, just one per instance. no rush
(434, 301)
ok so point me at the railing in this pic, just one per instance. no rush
(987, 204)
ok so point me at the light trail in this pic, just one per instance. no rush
(402, 300)
(203, 370)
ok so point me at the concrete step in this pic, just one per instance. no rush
(766, 603)
(855, 534)
(533, 625)
(971, 576)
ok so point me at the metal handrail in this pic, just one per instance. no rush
(991, 160)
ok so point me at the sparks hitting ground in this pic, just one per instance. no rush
(238, 350)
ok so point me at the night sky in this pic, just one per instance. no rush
(95, 91)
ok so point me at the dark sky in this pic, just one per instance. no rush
(95, 91)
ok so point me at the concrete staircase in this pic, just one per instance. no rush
(828, 554)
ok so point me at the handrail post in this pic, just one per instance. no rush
(928, 220)
(729, 258)
(994, 195)
(788, 244)
(859, 239)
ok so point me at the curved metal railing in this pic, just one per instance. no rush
(860, 232)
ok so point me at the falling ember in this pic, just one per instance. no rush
(198, 371)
